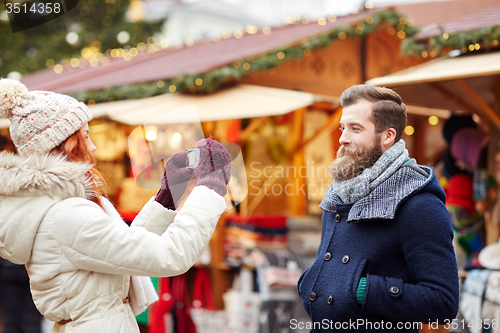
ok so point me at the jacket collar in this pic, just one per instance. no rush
(384, 200)
(38, 175)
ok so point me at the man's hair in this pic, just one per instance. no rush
(388, 107)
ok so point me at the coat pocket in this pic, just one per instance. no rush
(354, 281)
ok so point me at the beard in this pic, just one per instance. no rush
(346, 167)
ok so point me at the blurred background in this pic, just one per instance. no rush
(266, 75)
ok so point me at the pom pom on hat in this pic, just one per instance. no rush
(11, 94)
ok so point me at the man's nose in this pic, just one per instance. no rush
(344, 138)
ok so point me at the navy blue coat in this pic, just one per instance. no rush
(400, 238)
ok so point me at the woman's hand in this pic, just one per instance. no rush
(175, 180)
(214, 169)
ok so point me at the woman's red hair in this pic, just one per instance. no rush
(76, 149)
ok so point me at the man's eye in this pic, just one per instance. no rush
(341, 129)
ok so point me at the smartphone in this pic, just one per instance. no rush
(193, 158)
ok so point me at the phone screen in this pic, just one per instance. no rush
(193, 158)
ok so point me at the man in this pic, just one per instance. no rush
(386, 260)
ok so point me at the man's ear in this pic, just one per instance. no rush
(388, 137)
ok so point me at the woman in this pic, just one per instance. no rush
(78, 252)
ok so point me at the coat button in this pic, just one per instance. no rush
(328, 256)
(394, 290)
(337, 218)
(345, 259)
(312, 296)
(330, 299)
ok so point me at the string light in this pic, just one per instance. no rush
(172, 88)
(50, 63)
(141, 46)
(74, 62)
(409, 130)
(58, 69)
(433, 120)
(250, 29)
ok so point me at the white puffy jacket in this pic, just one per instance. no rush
(80, 258)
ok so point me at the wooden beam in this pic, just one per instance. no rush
(331, 123)
(254, 125)
(453, 96)
(488, 111)
(334, 120)
(297, 203)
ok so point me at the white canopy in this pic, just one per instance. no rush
(468, 82)
(442, 69)
(243, 101)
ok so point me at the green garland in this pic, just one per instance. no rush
(215, 79)
(487, 38)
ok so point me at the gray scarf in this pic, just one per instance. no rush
(352, 190)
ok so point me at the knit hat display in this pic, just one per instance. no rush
(466, 145)
(40, 120)
(455, 123)
(460, 192)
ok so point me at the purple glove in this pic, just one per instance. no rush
(214, 169)
(174, 181)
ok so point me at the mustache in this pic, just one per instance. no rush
(353, 152)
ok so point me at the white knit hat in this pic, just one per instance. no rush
(40, 120)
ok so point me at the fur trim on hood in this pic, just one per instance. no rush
(29, 187)
(50, 175)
